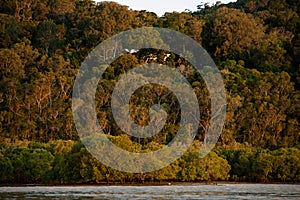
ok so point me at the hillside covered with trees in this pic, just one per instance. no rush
(255, 44)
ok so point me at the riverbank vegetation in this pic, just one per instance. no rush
(255, 44)
(68, 162)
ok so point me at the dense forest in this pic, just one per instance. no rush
(255, 44)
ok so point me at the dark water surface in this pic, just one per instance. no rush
(191, 191)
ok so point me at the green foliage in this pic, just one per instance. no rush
(263, 165)
(9, 30)
(28, 165)
(6, 172)
(259, 107)
(46, 36)
(211, 167)
(231, 33)
(36, 164)
(254, 42)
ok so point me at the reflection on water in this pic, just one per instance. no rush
(195, 191)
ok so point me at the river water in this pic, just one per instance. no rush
(189, 191)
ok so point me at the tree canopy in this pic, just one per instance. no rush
(255, 44)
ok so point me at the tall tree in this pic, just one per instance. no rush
(231, 33)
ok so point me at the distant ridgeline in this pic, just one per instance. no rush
(255, 44)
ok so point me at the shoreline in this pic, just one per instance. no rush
(165, 183)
